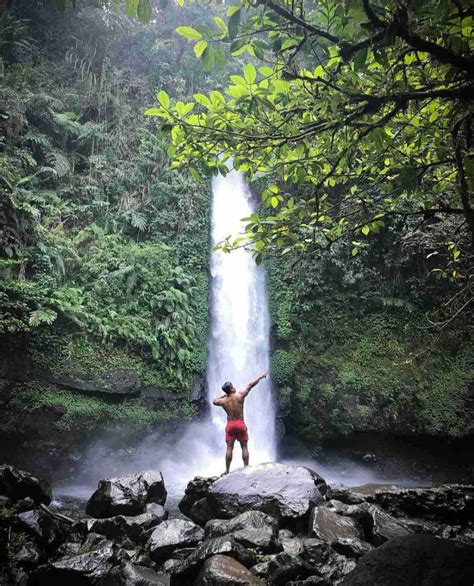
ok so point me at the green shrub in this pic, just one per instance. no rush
(283, 365)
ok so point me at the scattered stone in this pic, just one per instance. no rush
(18, 484)
(284, 568)
(84, 568)
(316, 551)
(128, 495)
(122, 527)
(415, 560)
(262, 540)
(128, 574)
(329, 526)
(201, 512)
(284, 492)
(188, 568)
(157, 510)
(226, 571)
(196, 490)
(171, 535)
(351, 548)
(42, 527)
(292, 545)
(28, 555)
(344, 494)
(247, 520)
(285, 534)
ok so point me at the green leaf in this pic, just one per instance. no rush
(220, 23)
(365, 230)
(131, 7)
(144, 11)
(207, 58)
(360, 59)
(238, 47)
(233, 24)
(199, 48)
(189, 32)
(250, 73)
(163, 98)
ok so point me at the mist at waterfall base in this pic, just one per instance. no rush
(238, 351)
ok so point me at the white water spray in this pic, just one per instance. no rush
(239, 334)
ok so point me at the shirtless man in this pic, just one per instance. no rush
(232, 401)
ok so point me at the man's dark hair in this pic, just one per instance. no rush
(227, 387)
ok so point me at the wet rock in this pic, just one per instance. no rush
(292, 545)
(144, 560)
(262, 540)
(28, 555)
(183, 552)
(311, 581)
(284, 568)
(42, 527)
(171, 535)
(369, 458)
(84, 568)
(200, 512)
(450, 503)
(247, 520)
(157, 510)
(415, 560)
(384, 526)
(329, 526)
(128, 574)
(120, 527)
(351, 548)
(226, 571)
(187, 569)
(261, 570)
(128, 495)
(285, 534)
(23, 505)
(336, 568)
(17, 484)
(344, 494)
(284, 492)
(197, 489)
(316, 551)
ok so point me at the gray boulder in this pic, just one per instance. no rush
(226, 571)
(344, 494)
(415, 560)
(83, 568)
(187, 569)
(121, 527)
(196, 490)
(17, 484)
(284, 492)
(351, 548)
(284, 568)
(201, 512)
(128, 574)
(292, 545)
(329, 526)
(262, 540)
(247, 520)
(316, 551)
(128, 495)
(171, 535)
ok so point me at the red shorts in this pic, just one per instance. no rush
(236, 430)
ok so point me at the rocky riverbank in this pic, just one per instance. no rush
(266, 524)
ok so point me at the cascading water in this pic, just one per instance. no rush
(239, 334)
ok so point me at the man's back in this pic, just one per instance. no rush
(233, 405)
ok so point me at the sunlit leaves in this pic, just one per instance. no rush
(189, 32)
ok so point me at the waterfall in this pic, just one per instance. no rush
(239, 331)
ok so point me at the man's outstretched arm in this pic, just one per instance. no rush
(252, 384)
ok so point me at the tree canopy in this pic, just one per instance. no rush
(358, 112)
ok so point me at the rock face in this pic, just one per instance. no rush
(171, 535)
(247, 520)
(284, 492)
(226, 571)
(128, 495)
(17, 484)
(415, 560)
(452, 503)
(329, 526)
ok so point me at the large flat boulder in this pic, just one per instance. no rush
(18, 484)
(284, 492)
(128, 495)
(415, 560)
(171, 535)
(222, 570)
(329, 526)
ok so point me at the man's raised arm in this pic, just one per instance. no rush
(219, 401)
(252, 384)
